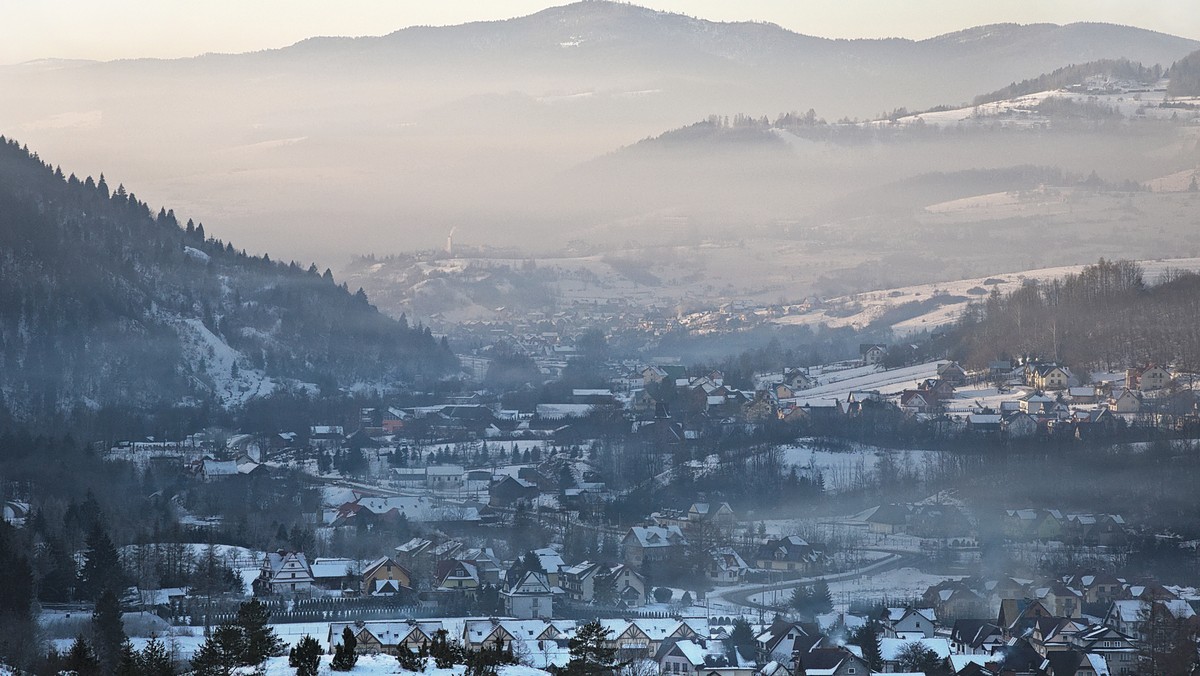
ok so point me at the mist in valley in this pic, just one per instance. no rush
(580, 128)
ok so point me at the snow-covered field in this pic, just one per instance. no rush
(893, 585)
(840, 384)
(846, 469)
(950, 298)
(1022, 111)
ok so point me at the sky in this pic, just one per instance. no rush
(113, 29)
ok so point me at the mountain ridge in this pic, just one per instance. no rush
(105, 306)
(432, 128)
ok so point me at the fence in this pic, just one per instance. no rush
(288, 611)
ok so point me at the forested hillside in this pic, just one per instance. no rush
(1185, 76)
(105, 304)
(1107, 316)
(1121, 69)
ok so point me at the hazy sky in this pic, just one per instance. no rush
(110, 29)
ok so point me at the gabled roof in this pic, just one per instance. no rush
(974, 633)
(550, 560)
(657, 536)
(823, 661)
(534, 583)
(385, 561)
(889, 514)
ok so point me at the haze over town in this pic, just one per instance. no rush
(506, 339)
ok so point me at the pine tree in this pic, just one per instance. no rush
(344, 656)
(866, 638)
(129, 662)
(741, 639)
(590, 654)
(80, 660)
(108, 634)
(59, 581)
(409, 660)
(822, 598)
(261, 641)
(305, 657)
(604, 590)
(101, 565)
(155, 659)
(222, 652)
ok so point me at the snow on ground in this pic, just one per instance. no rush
(1022, 111)
(233, 379)
(942, 303)
(849, 468)
(895, 585)
(184, 641)
(369, 665)
(885, 381)
(970, 397)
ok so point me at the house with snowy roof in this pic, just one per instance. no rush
(1019, 425)
(1049, 377)
(1124, 400)
(1060, 599)
(1118, 650)
(975, 637)
(791, 553)
(837, 661)
(726, 566)
(530, 598)
(1054, 634)
(213, 470)
(697, 514)
(457, 575)
(385, 577)
(551, 562)
(699, 658)
(385, 636)
(782, 640)
(872, 353)
(1131, 616)
(326, 436)
(510, 490)
(889, 519)
(1147, 378)
(335, 574)
(952, 372)
(1036, 403)
(913, 402)
(652, 543)
(285, 572)
(908, 621)
(954, 599)
(986, 424)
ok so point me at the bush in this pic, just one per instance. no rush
(305, 657)
(662, 595)
(344, 656)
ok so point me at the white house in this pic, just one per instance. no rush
(285, 572)
(531, 598)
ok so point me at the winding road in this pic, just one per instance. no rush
(740, 595)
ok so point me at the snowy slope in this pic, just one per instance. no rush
(1022, 111)
(205, 352)
(951, 298)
